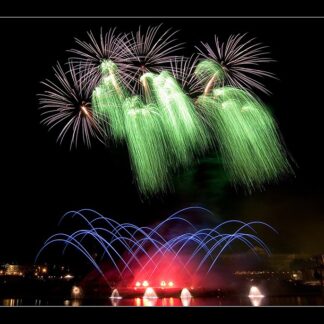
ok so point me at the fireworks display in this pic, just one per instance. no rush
(108, 98)
(145, 253)
(168, 109)
(67, 104)
(238, 59)
(246, 135)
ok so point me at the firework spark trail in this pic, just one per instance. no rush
(247, 137)
(206, 232)
(228, 238)
(114, 234)
(209, 240)
(211, 74)
(62, 238)
(133, 88)
(239, 58)
(107, 100)
(150, 51)
(187, 238)
(185, 133)
(183, 70)
(66, 104)
(171, 218)
(145, 138)
(90, 55)
(165, 246)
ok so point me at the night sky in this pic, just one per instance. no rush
(41, 179)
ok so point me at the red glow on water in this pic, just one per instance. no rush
(167, 274)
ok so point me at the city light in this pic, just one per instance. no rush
(68, 276)
(76, 291)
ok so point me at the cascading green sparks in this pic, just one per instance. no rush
(130, 88)
(164, 129)
(185, 132)
(145, 137)
(107, 100)
(209, 73)
(246, 135)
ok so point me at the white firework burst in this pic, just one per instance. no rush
(183, 69)
(240, 59)
(66, 105)
(150, 51)
(109, 46)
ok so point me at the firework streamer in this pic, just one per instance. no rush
(148, 149)
(169, 109)
(148, 251)
(183, 70)
(108, 98)
(247, 136)
(211, 74)
(185, 132)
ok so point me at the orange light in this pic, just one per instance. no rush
(138, 284)
(84, 110)
(145, 283)
(171, 284)
(76, 290)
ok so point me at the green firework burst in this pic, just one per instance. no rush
(246, 135)
(185, 132)
(107, 100)
(148, 149)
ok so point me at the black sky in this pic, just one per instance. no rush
(41, 180)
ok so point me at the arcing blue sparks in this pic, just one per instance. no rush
(145, 247)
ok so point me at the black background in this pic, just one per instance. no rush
(41, 179)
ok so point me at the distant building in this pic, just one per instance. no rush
(38, 271)
(11, 270)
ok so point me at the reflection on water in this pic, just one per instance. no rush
(255, 296)
(149, 301)
(185, 297)
(138, 301)
(186, 301)
(76, 302)
(115, 301)
(12, 302)
(256, 300)
(171, 301)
